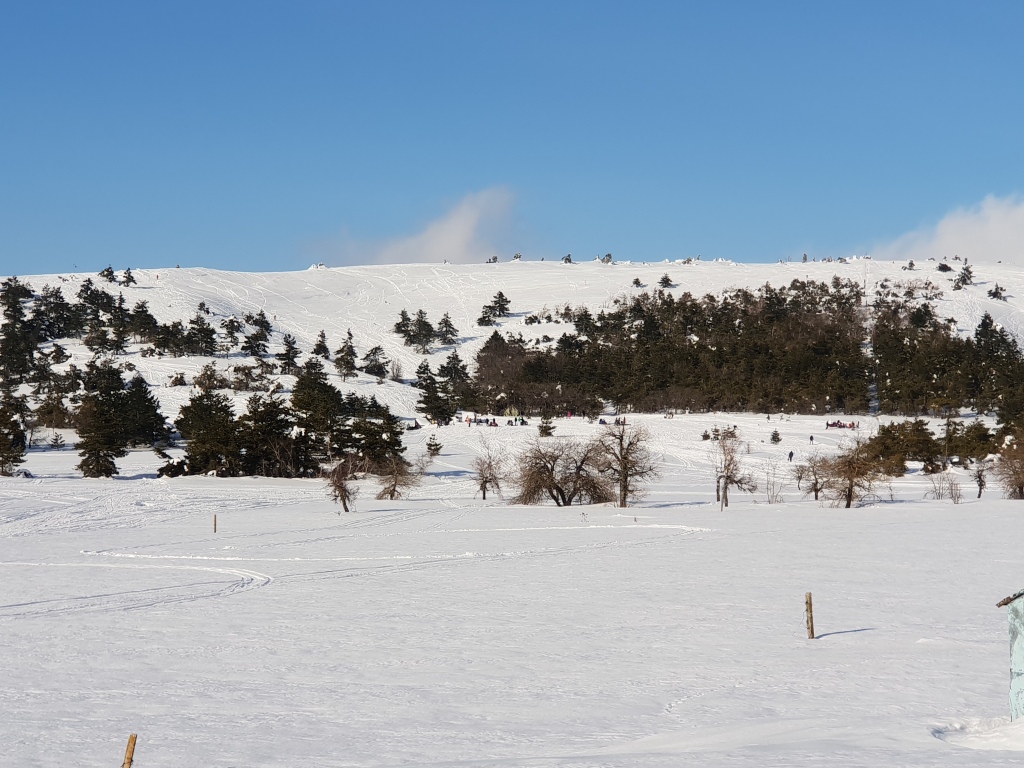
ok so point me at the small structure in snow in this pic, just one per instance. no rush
(1015, 612)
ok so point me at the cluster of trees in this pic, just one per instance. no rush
(809, 347)
(420, 333)
(111, 414)
(498, 308)
(613, 467)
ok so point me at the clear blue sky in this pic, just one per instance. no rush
(264, 136)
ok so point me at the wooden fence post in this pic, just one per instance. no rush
(810, 616)
(129, 753)
(214, 523)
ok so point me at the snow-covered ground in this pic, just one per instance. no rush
(446, 631)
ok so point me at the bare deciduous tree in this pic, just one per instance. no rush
(397, 476)
(811, 475)
(563, 470)
(1009, 471)
(489, 469)
(626, 460)
(729, 470)
(851, 474)
(340, 479)
(979, 474)
(945, 486)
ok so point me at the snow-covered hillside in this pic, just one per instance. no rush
(444, 630)
(368, 299)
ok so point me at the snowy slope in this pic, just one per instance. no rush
(368, 300)
(446, 631)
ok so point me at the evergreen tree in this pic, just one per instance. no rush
(269, 448)
(255, 344)
(665, 281)
(433, 447)
(201, 338)
(100, 421)
(453, 371)
(375, 363)
(345, 357)
(447, 333)
(404, 326)
(53, 413)
(120, 325)
(486, 316)
(320, 348)
(318, 406)
(424, 376)
(545, 428)
(17, 338)
(142, 324)
(207, 423)
(13, 442)
(107, 273)
(260, 323)
(501, 304)
(435, 403)
(289, 356)
(422, 333)
(140, 413)
(127, 278)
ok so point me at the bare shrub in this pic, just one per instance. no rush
(626, 460)
(1009, 471)
(945, 486)
(773, 482)
(563, 470)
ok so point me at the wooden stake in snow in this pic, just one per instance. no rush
(810, 616)
(129, 753)
(214, 523)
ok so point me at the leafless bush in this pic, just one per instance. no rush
(945, 486)
(563, 470)
(1009, 471)
(773, 482)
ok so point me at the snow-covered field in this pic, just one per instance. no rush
(447, 631)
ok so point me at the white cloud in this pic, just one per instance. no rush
(991, 231)
(469, 232)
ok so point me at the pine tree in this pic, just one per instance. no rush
(255, 344)
(545, 428)
(13, 442)
(375, 363)
(447, 333)
(207, 423)
(433, 447)
(422, 333)
(486, 316)
(345, 357)
(288, 357)
(140, 413)
(107, 273)
(127, 278)
(501, 304)
(424, 376)
(665, 281)
(100, 420)
(269, 448)
(17, 337)
(320, 348)
(404, 326)
(436, 404)
(201, 338)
